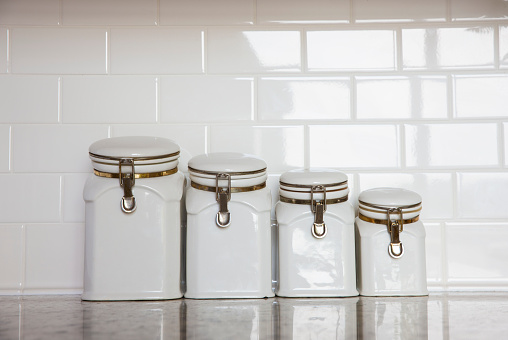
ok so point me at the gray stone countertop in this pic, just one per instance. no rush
(438, 316)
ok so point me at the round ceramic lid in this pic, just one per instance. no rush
(390, 197)
(136, 147)
(312, 177)
(227, 162)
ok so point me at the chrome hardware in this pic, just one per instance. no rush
(395, 249)
(223, 196)
(127, 180)
(319, 229)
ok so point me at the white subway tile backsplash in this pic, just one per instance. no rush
(54, 148)
(434, 253)
(303, 98)
(481, 96)
(30, 198)
(351, 50)
(448, 48)
(58, 50)
(478, 10)
(436, 189)
(3, 50)
(11, 258)
(466, 266)
(451, 145)
(109, 12)
(192, 139)
(30, 12)
(156, 50)
(42, 107)
(206, 98)
(354, 146)
(482, 195)
(109, 99)
(252, 51)
(73, 205)
(5, 145)
(54, 257)
(398, 10)
(401, 97)
(204, 12)
(280, 146)
(503, 46)
(299, 11)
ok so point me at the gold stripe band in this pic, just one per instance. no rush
(227, 172)
(137, 175)
(234, 189)
(385, 222)
(308, 192)
(309, 186)
(308, 202)
(383, 211)
(114, 158)
(383, 207)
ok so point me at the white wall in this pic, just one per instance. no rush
(393, 92)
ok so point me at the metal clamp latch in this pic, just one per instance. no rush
(319, 229)
(395, 249)
(223, 196)
(127, 180)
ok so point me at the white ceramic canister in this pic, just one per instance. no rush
(390, 243)
(316, 235)
(133, 220)
(228, 227)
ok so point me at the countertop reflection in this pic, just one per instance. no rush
(438, 316)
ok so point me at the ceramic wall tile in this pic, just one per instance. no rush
(206, 98)
(58, 50)
(478, 10)
(436, 190)
(448, 48)
(73, 205)
(477, 269)
(354, 146)
(5, 147)
(30, 198)
(482, 195)
(156, 50)
(11, 258)
(503, 46)
(43, 105)
(451, 145)
(301, 11)
(252, 51)
(272, 182)
(303, 98)
(30, 12)
(398, 10)
(108, 99)
(54, 148)
(351, 50)
(480, 96)
(203, 12)
(110, 12)
(401, 97)
(3, 50)
(280, 146)
(192, 139)
(54, 257)
(434, 254)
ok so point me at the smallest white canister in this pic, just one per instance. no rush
(316, 235)
(390, 243)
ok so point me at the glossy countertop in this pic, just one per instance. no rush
(438, 316)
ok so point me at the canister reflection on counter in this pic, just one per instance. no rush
(132, 320)
(318, 318)
(392, 317)
(231, 319)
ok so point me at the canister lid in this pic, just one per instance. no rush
(227, 162)
(150, 153)
(312, 177)
(376, 202)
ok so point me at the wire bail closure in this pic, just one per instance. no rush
(223, 196)
(395, 249)
(127, 180)
(318, 229)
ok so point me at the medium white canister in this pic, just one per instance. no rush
(390, 243)
(316, 235)
(228, 227)
(133, 203)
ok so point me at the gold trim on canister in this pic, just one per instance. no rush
(238, 173)
(233, 189)
(137, 175)
(307, 202)
(385, 222)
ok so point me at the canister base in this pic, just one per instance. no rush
(228, 296)
(318, 294)
(128, 297)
